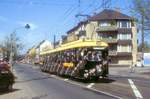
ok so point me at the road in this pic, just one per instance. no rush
(33, 84)
(119, 84)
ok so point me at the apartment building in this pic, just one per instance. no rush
(115, 28)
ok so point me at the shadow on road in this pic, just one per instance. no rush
(4, 91)
(34, 79)
(101, 80)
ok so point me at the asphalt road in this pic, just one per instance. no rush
(120, 86)
(39, 85)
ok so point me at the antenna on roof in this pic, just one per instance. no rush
(106, 4)
(79, 8)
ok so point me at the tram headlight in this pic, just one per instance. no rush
(82, 53)
(98, 68)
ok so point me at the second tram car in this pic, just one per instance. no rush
(83, 59)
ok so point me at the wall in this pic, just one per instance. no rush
(46, 46)
(146, 59)
(134, 44)
(91, 30)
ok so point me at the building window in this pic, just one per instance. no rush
(107, 35)
(124, 48)
(104, 23)
(124, 36)
(124, 24)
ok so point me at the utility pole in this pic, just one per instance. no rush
(11, 52)
(13, 44)
(54, 41)
(142, 35)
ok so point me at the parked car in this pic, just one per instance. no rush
(6, 76)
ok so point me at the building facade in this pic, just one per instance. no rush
(33, 54)
(42, 46)
(115, 28)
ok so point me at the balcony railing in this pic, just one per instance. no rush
(106, 28)
(112, 53)
(108, 40)
(124, 53)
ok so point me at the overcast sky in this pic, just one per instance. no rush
(47, 17)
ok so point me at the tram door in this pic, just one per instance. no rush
(105, 62)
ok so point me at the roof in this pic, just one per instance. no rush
(76, 27)
(77, 44)
(108, 14)
(40, 43)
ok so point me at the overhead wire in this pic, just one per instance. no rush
(35, 3)
(65, 19)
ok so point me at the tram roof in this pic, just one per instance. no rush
(77, 44)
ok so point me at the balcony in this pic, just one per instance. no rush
(112, 53)
(106, 28)
(125, 42)
(108, 40)
(124, 53)
(125, 30)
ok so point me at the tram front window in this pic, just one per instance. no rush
(94, 55)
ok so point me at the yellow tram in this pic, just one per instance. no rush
(84, 59)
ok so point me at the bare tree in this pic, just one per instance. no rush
(141, 8)
(12, 42)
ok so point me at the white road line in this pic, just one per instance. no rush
(90, 85)
(135, 90)
(53, 75)
(66, 79)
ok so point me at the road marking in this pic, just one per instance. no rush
(53, 75)
(93, 89)
(83, 86)
(66, 79)
(90, 85)
(135, 90)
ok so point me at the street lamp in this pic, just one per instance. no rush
(27, 26)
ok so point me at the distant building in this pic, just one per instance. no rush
(42, 46)
(30, 55)
(115, 28)
(3, 53)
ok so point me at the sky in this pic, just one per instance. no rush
(47, 17)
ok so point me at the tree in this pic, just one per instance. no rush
(12, 43)
(146, 47)
(141, 8)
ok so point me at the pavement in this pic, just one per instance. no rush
(123, 83)
(138, 72)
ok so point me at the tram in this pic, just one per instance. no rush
(82, 59)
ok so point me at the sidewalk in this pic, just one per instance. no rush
(142, 72)
(20, 90)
